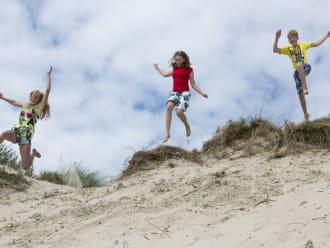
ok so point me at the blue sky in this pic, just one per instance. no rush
(107, 100)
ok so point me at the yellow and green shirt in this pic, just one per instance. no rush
(296, 53)
(24, 128)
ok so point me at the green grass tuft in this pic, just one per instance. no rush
(87, 177)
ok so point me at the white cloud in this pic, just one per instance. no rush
(108, 101)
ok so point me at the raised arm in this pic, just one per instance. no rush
(277, 37)
(161, 72)
(320, 41)
(195, 86)
(44, 100)
(10, 101)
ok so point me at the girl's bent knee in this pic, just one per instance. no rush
(179, 111)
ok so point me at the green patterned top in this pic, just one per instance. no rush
(24, 128)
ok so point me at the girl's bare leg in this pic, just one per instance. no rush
(183, 118)
(302, 76)
(8, 135)
(27, 158)
(169, 108)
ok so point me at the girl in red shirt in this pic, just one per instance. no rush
(179, 97)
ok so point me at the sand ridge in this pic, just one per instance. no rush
(234, 202)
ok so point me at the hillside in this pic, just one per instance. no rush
(252, 185)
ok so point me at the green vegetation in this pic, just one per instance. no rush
(8, 157)
(87, 178)
(11, 172)
(10, 178)
(51, 176)
(12, 175)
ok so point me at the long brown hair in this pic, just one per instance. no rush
(186, 61)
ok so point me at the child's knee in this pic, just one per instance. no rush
(299, 66)
(179, 111)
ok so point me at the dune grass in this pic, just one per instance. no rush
(87, 177)
(250, 137)
(311, 134)
(9, 157)
(10, 178)
(15, 178)
(244, 135)
(11, 172)
(148, 160)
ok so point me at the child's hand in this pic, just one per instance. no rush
(50, 70)
(156, 66)
(205, 95)
(278, 33)
(1, 95)
(328, 34)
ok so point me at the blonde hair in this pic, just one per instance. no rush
(45, 112)
(293, 32)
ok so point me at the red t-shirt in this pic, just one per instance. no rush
(181, 78)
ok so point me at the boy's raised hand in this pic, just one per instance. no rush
(1, 95)
(278, 33)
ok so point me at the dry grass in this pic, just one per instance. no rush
(258, 135)
(10, 178)
(312, 134)
(148, 160)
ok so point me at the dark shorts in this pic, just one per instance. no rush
(22, 141)
(307, 69)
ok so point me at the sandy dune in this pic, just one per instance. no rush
(234, 202)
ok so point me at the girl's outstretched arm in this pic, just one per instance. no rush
(161, 72)
(320, 41)
(195, 86)
(10, 101)
(44, 100)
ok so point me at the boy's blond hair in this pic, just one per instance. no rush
(293, 32)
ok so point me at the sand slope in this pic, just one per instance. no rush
(233, 202)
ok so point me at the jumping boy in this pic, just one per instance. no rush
(297, 54)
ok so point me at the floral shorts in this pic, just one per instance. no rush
(181, 99)
(307, 69)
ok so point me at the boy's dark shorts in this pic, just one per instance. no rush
(307, 69)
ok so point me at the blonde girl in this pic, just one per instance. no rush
(22, 132)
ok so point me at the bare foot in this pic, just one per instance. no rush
(166, 138)
(188, 131)
(35, 153)
(307, 117)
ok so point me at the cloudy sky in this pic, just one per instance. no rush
(107, 100)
